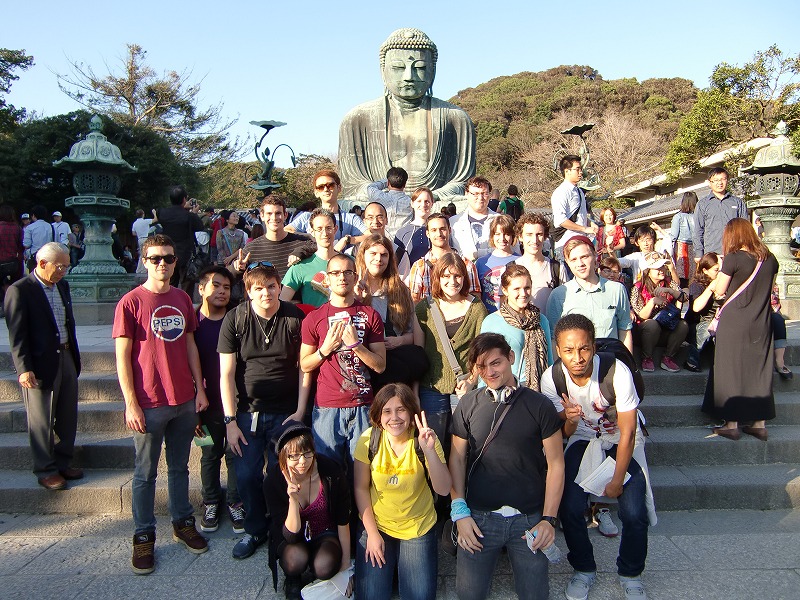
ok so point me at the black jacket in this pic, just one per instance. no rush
(32, 331)
(180, 225)
(337, 493)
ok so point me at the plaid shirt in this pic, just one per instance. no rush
(10, 241)
(419, 280)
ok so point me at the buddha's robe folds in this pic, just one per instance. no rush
(365, 155)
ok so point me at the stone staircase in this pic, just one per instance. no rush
(691, 468)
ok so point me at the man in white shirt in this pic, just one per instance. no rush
(568, 202)
(471, 228)
(60, 229)
(598, 422)
(141, 229)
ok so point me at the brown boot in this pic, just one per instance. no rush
(144, 561)
(185, 532)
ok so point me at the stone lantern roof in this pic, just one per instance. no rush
(777, 157)
(95, 151)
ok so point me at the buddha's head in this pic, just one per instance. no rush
(408, 64)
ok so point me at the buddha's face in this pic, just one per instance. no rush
(408, 74)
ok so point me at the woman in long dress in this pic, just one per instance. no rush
(739, 389)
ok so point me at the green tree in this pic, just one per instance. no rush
(740, 104)
(28, 177)
(10, 61)
(168, 104)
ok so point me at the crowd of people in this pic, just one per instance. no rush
(372, 362)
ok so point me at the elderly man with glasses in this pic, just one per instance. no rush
(342, 341)
(471, 228)
(41, 333)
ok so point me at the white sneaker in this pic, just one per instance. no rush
(578, 586)
(632, 588)
(606, 525)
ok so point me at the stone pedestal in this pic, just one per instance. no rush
(777, 215)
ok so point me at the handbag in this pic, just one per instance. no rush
(669, 316)
(712, 327)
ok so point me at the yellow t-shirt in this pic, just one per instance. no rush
(401, 498)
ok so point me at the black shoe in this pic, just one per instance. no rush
(690, 367)
(784, 372)
(246, 547)
(292, 586)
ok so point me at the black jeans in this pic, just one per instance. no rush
(211, 461)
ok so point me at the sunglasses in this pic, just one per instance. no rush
(261, 263)
(328, 187)
(156, 259)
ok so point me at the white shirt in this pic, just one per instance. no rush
(592, 403)
(566, 199)
(141, 227)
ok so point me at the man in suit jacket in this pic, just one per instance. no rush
(41, 333)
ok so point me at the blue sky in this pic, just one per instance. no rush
(308, 62)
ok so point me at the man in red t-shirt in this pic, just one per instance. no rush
(342, 339)
(159, 372)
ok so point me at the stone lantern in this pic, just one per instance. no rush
(97, 165)
(776, 201)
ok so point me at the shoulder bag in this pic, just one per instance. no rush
(712, 327)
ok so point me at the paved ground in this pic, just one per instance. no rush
(708, 555)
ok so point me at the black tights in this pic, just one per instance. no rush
(323, 555)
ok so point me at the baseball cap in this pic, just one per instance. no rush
(57, 214)
(25, 216)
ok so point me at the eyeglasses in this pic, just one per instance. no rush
(375, 218)
(156, 259)
(329, 229)
(345, 273)
(480, 194)
(297, 457)
(328, 187)
(60, 268)
(720, 180)
(261, 263)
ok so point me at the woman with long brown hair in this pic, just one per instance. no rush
(739, 386)
(462, 315)
(380, 286)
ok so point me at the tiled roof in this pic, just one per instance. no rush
(660, 208)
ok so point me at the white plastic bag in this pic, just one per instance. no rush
(328, 589)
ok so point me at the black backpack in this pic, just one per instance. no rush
(608, 350)
(375, 442)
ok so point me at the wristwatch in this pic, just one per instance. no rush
(551, 520)
(228, 420)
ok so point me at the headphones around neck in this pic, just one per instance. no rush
(501, 396)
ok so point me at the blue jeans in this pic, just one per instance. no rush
(174, 427)
(336, 432)
(416, 561)
(474, 571)
(439, 415)
(632, 513)
(697, 338)
(250, 467)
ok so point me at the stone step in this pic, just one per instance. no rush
(752, 487)
(684, 411)
(100, 491)
(93, 417)
(756, 487)
(92, 451)
(91, 360)
(686, 383)
(93, 386)
(696, 446)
